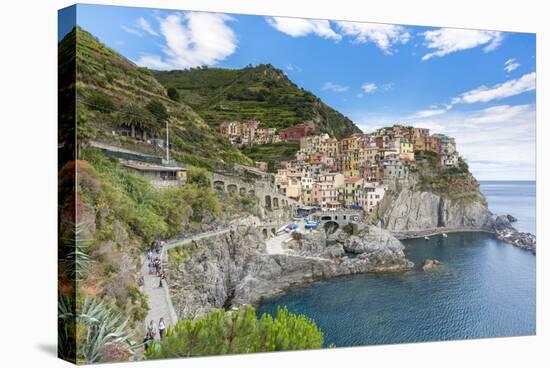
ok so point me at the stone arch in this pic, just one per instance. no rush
(232, 189)
(242, 191)
(251, 192)
(219, 185)
(275, 202)
(265, 234)
(268, 202)
(331, 227)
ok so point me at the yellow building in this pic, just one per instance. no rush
(406, 151)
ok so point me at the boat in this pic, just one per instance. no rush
(445, 235)
(426, 238)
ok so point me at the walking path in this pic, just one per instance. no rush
(160, 303)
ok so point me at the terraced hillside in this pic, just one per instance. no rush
(262, 92)
(112, 92)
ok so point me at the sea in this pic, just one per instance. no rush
(484, 289)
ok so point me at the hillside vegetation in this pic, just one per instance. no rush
(112, 92)
(262, 92)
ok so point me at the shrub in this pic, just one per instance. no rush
(89, 326)
(100, 102)
(222, 332)
(173, 94)
(199, 176)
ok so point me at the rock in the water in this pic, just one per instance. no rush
(509, 234)
(511, 218)
(430, 265)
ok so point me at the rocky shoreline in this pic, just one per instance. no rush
(235, 269)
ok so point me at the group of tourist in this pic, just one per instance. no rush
(154, 262)
(152, 331)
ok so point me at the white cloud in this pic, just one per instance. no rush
(511, 65)
(334, 87)
(385, 36)
(507, 89)
(144, 25)
(498, 114)
(369, 87)
(192, 39)
(133, 31)
(298, 27)
(428, 113)
(449, 40)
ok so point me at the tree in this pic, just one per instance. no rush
(222, 332)
(199, 176)
(158, 110)
(138, 117)
(173, 94)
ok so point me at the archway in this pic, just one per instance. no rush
(219, 185)
(268, 202)
(251, 192)
(242, 191)
(331, 227)
(265, 234)
(275, 202)
(232, 189)
(273, 231)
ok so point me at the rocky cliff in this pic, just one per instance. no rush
(433, 197)
(235, 268)
(412, 210)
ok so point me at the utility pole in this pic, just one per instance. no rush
(167, 144)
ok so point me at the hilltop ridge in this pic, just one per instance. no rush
(261, 92)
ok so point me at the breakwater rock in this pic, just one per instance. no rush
(506, 232)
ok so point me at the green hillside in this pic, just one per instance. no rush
(262, 92)
(112, 91)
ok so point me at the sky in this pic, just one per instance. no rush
(475, 85)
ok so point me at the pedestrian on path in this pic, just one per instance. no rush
(151, 330)
(162, 276)
(162, 327)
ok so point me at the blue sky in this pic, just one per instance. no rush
(475, 85)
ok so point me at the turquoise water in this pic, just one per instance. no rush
(486, 288)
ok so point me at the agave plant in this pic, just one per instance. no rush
(96, 326)
(77, 260)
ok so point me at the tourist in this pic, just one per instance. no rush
(149, 255)
(151, 330)
(162, 276)
(162, 327)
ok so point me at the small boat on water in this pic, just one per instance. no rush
(445, 235)
(426, 238)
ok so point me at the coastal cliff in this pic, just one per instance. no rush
(235, 269)
(413, 211)
(434, 200)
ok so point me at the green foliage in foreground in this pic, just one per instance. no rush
(89, 328)
(76, 258)
(144, 211)
(222, 332)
